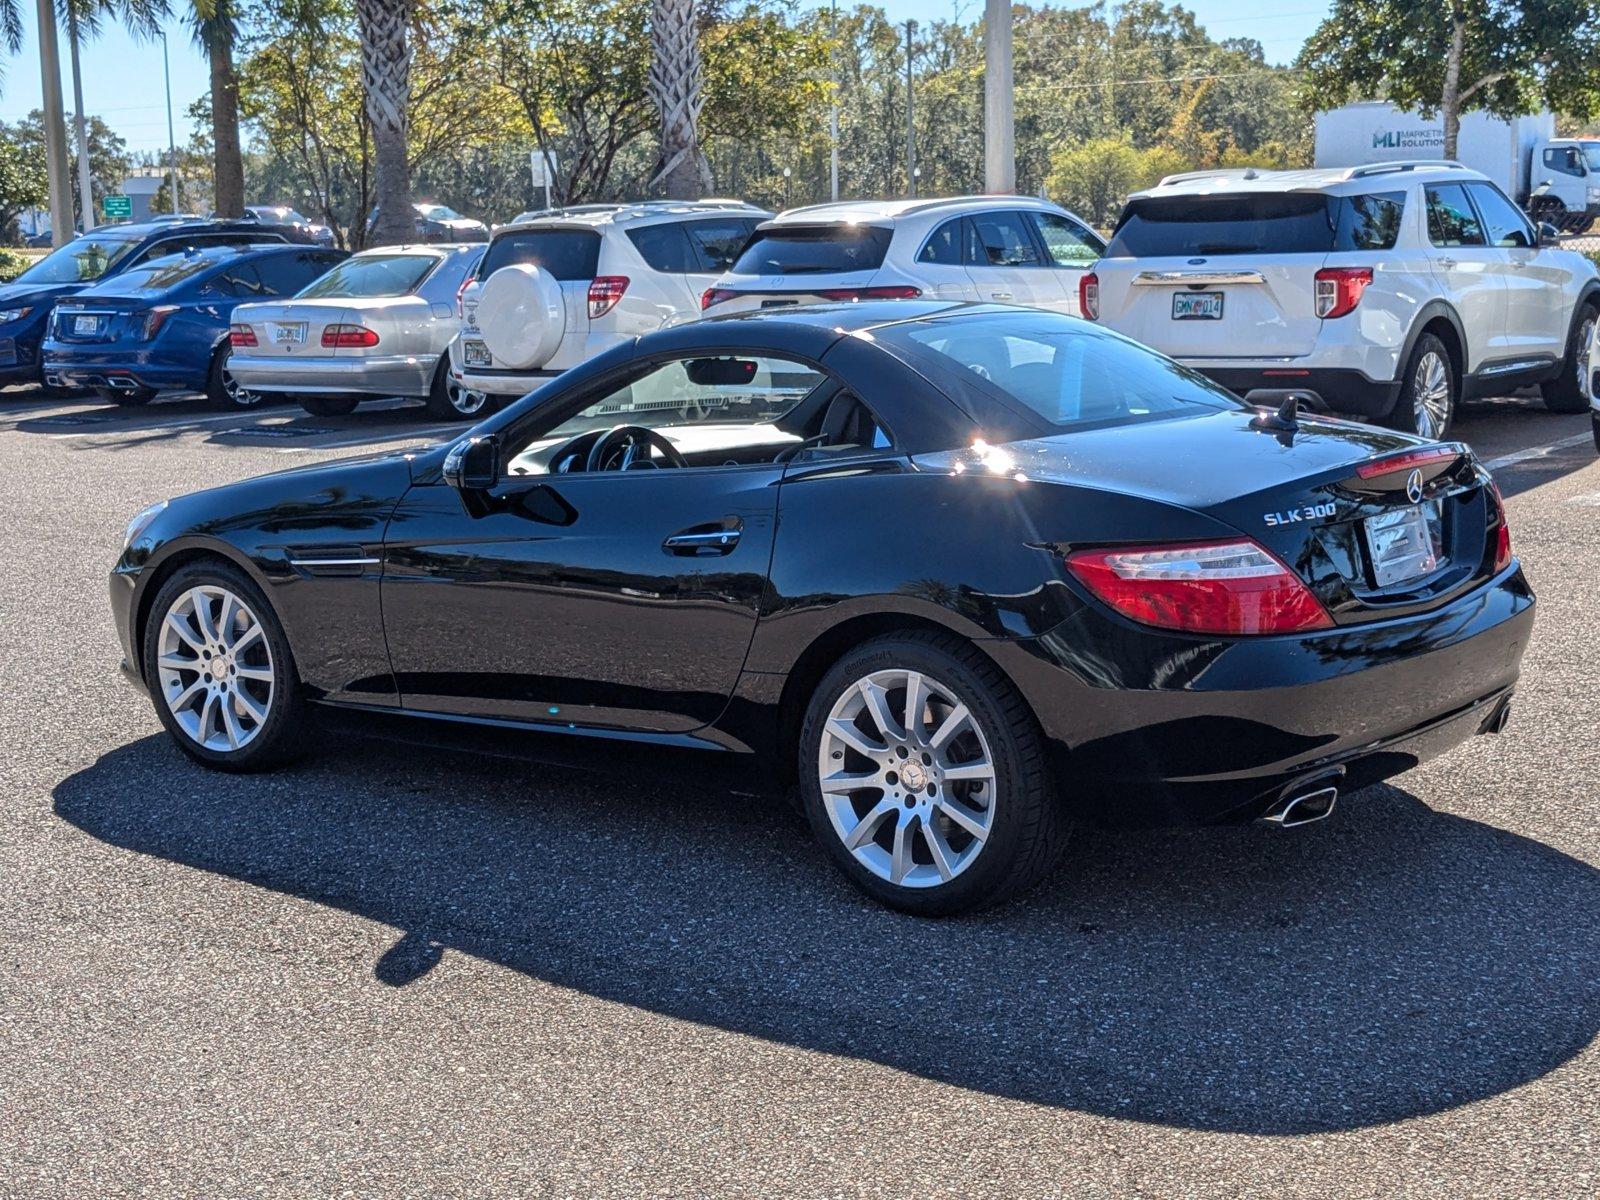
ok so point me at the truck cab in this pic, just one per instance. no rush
(1564, 174)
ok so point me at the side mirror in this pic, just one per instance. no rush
(473, 464)
(1549, 235)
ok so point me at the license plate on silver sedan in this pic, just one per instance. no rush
(1197, 306)
(292, 333)
(475, 354)
(1405, 544)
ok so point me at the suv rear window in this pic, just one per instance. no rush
(567, 254)
(813, 250)
(1263, 223)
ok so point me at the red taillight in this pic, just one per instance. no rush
(335, 336)
(887, 292)
(461, 307)
(238, 335)
(1407, 461)
(1338, 289)
(604, 292)
(715, 295)
(1232, 588)
(1502, 529)
(1089, 296)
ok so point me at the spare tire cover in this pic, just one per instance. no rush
(522, 314)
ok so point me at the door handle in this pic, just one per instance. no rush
(999, 295)
(707, 540)
(1446, 262)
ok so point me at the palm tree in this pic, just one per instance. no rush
(215, 26)
(386, 79)
(675, 86)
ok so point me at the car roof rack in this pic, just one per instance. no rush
(1410, 164)
(1213, 173)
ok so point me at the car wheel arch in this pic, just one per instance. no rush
(1439, 319)
(172, 559)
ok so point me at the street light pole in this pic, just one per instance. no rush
(81, 122)
(833, 109)
(999, 100)
(55, 127)
(172, 140)
(911, 128)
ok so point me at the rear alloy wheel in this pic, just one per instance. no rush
(1428, 391)
(449, 401)
(329, 406)
(923, 775)
(1569, 391)
(219, 670)
(223, 390)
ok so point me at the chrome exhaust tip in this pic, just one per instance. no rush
(1498, 720)
(1301, 808)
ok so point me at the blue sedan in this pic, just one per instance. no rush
(165, 325)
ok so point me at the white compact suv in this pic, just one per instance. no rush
(1389, 291)
(561, 287)
(1014, 249)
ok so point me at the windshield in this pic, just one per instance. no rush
(80, 261)
(438, 212)
(159, 274)
(1591, 154)
(371, 275)
(813, 250)
(1071, 373)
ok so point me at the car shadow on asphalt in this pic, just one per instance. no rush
(1390, 962)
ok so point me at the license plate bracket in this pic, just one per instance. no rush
(475, 354)
(1197, 306)
(1405, 544)
(291, 333)
(84, 325)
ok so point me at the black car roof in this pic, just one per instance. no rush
(156, 229)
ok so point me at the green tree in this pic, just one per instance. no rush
(1455, 56)
(108, 154)
(23, 182)
(1095, 178)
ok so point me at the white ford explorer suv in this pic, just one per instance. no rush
(1389, 291)
(1014, 249)
(562, 286)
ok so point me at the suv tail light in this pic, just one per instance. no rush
(1233, 588)
(604, 292)
(1089, 296)
(1500, 528)
(348, 335)
(715, 295)
(886, 292)
(461, 304)
(239, 335)
(1338, 289)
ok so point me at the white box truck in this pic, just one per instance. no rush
(1554, 179)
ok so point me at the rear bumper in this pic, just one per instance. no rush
(1147, 728)
(127, 376)
(384, 375)
(1340, 389)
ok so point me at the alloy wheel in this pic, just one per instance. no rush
(907, 778)
(238, 395)
(1583, 359)
(1430, 390)
(464, 400)
(215, 668)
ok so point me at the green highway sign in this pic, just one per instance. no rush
(117, 206)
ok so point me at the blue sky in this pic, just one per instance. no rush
(122, 81)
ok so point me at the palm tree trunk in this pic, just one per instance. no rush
(675, 86)
(386, 78)
(227, 161)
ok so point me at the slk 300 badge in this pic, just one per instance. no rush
(1311, 512)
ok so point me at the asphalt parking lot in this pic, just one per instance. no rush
(393, 970)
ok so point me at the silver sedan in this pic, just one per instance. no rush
(377, 325)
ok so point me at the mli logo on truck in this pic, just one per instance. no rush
(1408, 139)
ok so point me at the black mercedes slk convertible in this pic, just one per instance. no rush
(959, 575)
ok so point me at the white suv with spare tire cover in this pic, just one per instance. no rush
(1388, 291)
(555, 290)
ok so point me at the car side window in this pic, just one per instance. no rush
(943, 245)
(240, 280)
(286, 274)
(1068, 243)
(1563, 159)
(718, 242)
(1505, 225)
(664, 247)
(1001, 239)
(1451, 221)
(718, 411)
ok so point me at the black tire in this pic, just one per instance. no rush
(1569, 392)
(329, 406)
(1594, 425)
(134, 399)
(1027, 826)
(448, 401)
(221, 390)
(280, 736)
(1418, 383)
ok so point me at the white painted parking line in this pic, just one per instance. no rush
(1509, 460)
(424, 433)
